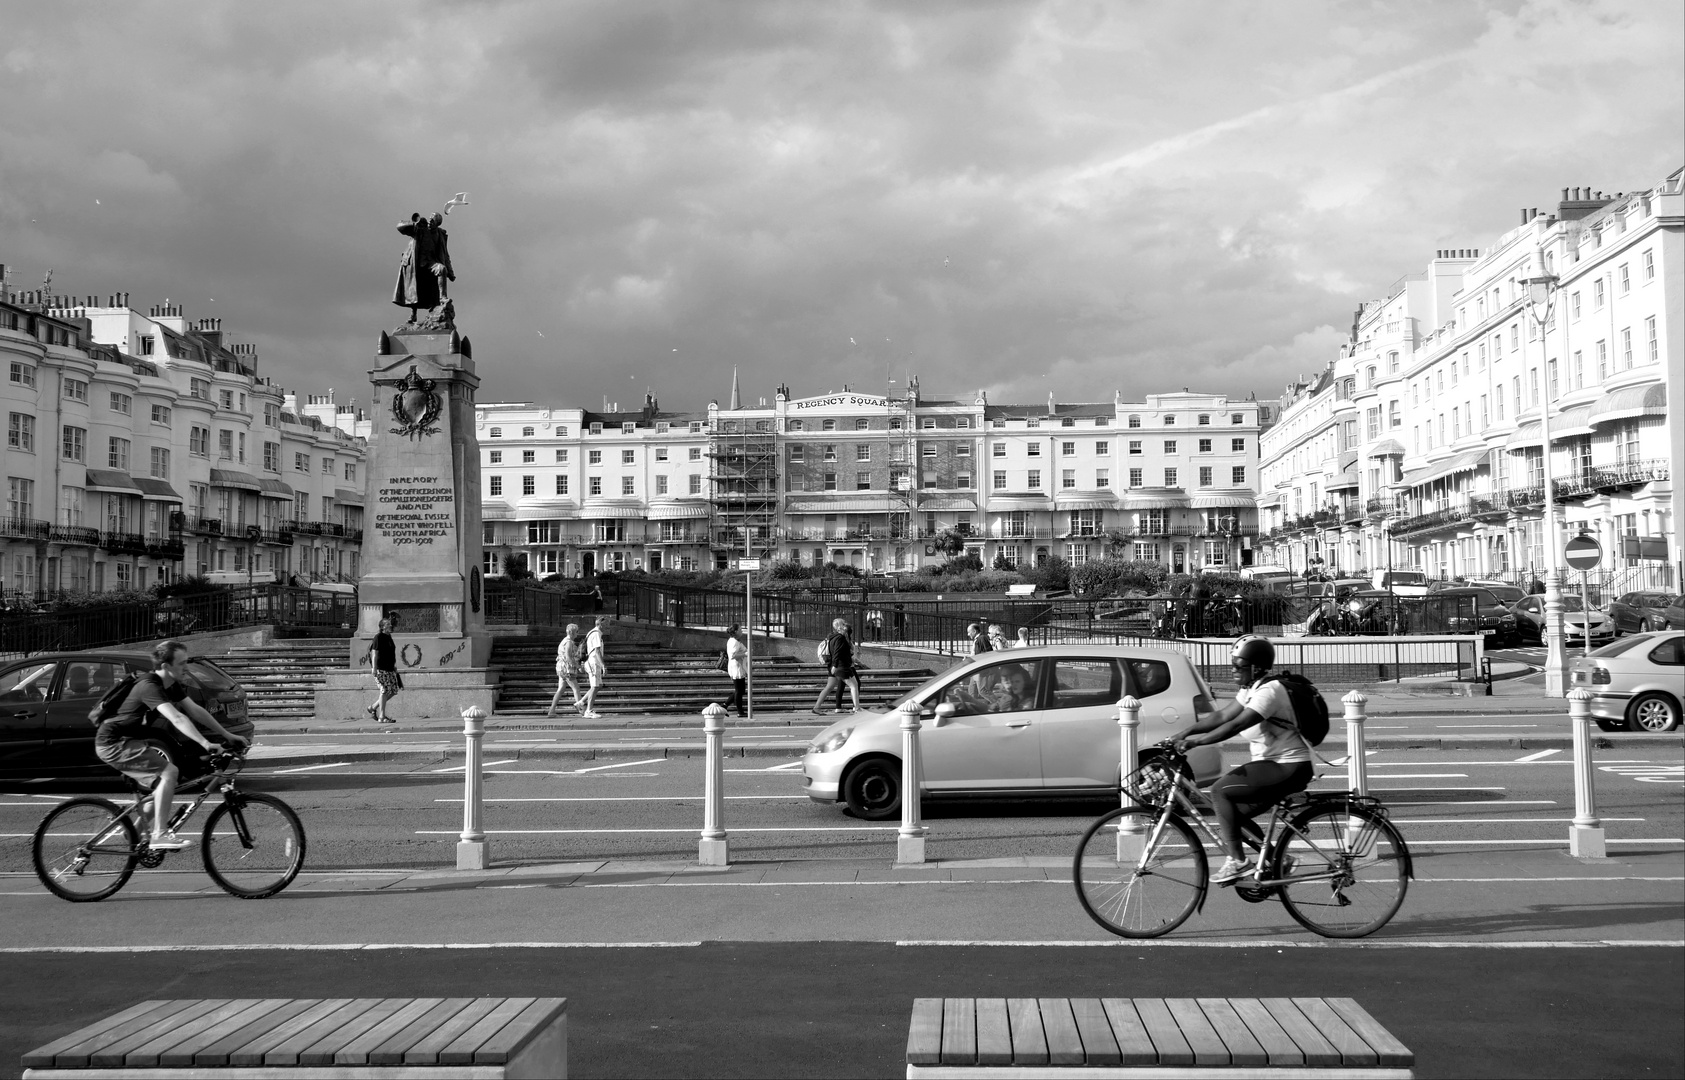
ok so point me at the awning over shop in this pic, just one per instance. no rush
(279, 489)
(545, 506)
(874, 505)
(1153, 499)
(496, 511)
(347, 497)
(234, 478)
(612, 510)
(1387, 448)
(1270, 498)
(1092, 501)
(1018, 502)
(1456, 463)
(1629, 402)
(677, 511)
(1524, 436)
(1342, 481)
(111, 480)
(1570, 423)
(1230, 500)
(947, 502)
(156, 490)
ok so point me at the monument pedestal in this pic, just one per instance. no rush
(428, 693)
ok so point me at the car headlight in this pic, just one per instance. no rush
(832, 743)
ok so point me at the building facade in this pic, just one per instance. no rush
(1421, 445)
(141, 448)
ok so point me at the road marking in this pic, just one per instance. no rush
(485, 765)
(619, 765)
(692, 830)
(1499, 821)
(1469, 787)
(1486, 725)
(309, 768)
(640, 798)
(1556, 843)
(36, 805)
(558, 772)
(1535, 757)
(1420, 776)
(1265, 943)
(1475, 802)
(353, 946)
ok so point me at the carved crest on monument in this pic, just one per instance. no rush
(415, 406)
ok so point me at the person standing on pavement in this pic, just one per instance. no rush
(567, 668)
(1023, 641)
(596, 668)
(383, 664)
(839, 667)
(979, 640)
(997, 638)
(737, 670)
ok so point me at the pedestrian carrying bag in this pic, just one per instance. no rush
(112, 700)
(824, 652)
(724, 662)
(1310, 711)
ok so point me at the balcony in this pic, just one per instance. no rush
(26, 528)
(1601, 478)
(123, 543)
(165, 547)
(207, 526)
(73, 534)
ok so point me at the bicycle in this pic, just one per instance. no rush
(1335, 860)
(252, 845)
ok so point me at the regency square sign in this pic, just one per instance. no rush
(840, 403)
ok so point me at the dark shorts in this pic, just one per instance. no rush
(142, 759)
(390, 682)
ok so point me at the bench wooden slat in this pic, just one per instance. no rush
(181, 1043)
(391, 1051)
(250, 1053)
(115, 1053)
(288, 1050)
(322, 1051)
(526, 1026)
(1202, 1037)
(1064, 1042)
(357, 1051)
(1029, 1040)
(924, 1035)
(1353, 1050)
(1243, 1047)
(959, 1031)
(1386, 1046)
(426, 1052)
(1166, 1034)
(1278, 1046)
(461, 1051)
(73, 1045)
(1099, 1047)
(256, 1022)
(994, 1032)
(1135, 1046)
(1317, 1050)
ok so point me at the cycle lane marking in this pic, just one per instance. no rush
(1536, 757)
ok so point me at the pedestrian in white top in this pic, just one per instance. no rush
(596, 669)
(737, 670)
(567, 668)
(1023, 641)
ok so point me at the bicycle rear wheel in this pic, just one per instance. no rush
(1149, 892)
(1347, 870)
(253, 845)
(84, 850)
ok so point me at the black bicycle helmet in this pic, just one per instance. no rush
(1255, 650)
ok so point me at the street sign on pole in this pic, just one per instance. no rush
(1582, 553)
(748, 564)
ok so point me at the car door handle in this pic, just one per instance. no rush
(22, 715)
(1019, 724)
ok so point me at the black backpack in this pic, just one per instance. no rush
(1310, 711)
(111, 702)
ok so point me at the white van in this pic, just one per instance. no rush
(1402, 582)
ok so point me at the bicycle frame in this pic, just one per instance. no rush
(220, 781)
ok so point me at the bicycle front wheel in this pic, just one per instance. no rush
(84, 850)
(1140, 872)
(253, 846)
(1344, 870)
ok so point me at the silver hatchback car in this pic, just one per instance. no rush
(1040, 721)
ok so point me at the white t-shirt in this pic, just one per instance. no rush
(737, 658)
(594, 663)
(1278, 742)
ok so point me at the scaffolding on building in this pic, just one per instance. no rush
(743, 475)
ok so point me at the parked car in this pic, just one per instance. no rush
(1636, 683)
(1402, 582)
(1503, 590)
(1635, 612)
(1674, 613)
(1530, 620)
(1039, 721)
(1469, 610)
(44, 703)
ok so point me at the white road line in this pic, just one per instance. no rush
(488, 764)
(1372, 788)
(309, 768)
(36, 805)
(1537, 756)
(354, 946)
(647, 798)
(690, 831)
(1420, 776)
(1500, 821)
(619, 765)
(786, 765)
(1471, 802)
(556, 772)
(1486, 725)
(1265, 943)
(1414, 842)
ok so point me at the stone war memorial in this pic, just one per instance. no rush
(422, 546)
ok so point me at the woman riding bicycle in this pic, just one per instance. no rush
(1281, 760)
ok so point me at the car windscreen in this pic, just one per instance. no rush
(1621, 645)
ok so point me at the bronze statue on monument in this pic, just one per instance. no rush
(425, 271)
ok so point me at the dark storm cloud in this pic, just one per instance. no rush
(1075, 197)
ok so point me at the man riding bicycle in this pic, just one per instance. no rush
(1281, 760)
(135, 744)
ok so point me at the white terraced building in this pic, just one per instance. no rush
(1420, 446)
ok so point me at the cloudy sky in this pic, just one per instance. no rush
(1066, 197)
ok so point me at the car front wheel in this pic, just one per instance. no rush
(1652, 712)
(872, 790)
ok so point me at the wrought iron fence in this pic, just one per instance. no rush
(284, 606)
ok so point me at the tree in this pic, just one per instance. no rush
(515, 565)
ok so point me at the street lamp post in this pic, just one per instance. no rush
(1541, 294)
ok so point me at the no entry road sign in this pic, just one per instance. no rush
(1582, 553)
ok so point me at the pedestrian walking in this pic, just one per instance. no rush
(737, 669)
(383, 664)
(874, 624)
(839, 666)
(979, 640)
(1023, 641)
(569, 669)
(997, 637)
(596, 668)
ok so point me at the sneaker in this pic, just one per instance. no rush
(1230, 872)
(591, 715)
(168, 841)
(386, 720)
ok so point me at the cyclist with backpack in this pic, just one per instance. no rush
(1264, 713)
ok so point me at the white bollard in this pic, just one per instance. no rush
(713, 849)
(473, 850)
(1585, 835)
(1357, 757)
(1130, 839)
(909, 841)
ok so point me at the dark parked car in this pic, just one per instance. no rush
(1674, 613)
(1577, 622)
(44, 703)
(1470, 609)
(1636, 612)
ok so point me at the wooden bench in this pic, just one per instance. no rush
(1143, 1037)
(337, 1037)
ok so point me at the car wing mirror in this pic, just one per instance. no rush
(945, 712)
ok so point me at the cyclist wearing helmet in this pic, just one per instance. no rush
(1281, 761)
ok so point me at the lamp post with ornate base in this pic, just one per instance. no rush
(1541, 294)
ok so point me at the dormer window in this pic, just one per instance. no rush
(1134, 421)
(497, 433)
(596, 429)
(795, 425)
(1170, 421)
(527, 433)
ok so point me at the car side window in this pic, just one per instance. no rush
(1670, 653)
(1004, 686)
(89, 679)
(1083, 684)
(1149, 676)
(27, 683)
